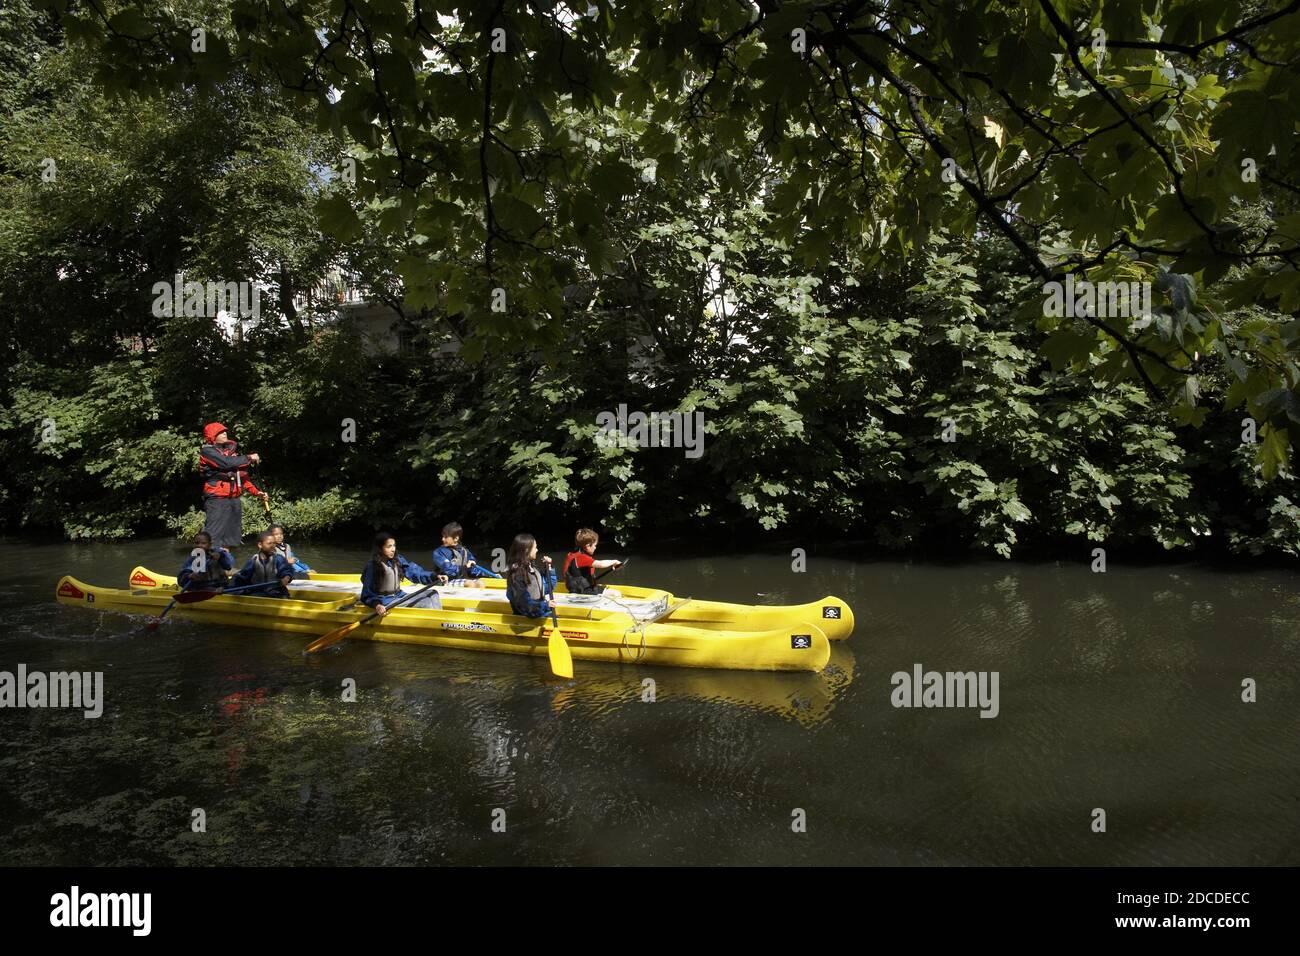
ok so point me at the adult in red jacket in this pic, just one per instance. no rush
(225, 482)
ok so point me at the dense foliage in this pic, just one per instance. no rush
(836, 254)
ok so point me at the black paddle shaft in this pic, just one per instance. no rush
(620, 567)
(550, 593)
(401, 601)
(266, 490)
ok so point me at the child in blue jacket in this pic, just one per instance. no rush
(457, 562)
(300, 567)
(266, 568)
(217, 566)
(527, 587)
(381, 578)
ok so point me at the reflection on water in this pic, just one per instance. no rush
(1119, 690)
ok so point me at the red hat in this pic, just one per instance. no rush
(211, 431)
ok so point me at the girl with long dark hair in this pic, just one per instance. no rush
(527, 587)
(381, 579)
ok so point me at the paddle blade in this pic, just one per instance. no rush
(194, 597)
(333, 637)
(153, 624)
(561, 659)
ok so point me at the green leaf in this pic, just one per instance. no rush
(516, 216)
(1271, 453)
(338, 218)
(132, 23)
(1181, 289)
(1065, 347)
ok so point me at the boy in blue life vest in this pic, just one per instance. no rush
(456, 562)
(267, 569)
(210, 571)
(580, 564)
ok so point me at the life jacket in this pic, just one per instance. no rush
(535, 587)
(389, 579)
(211, 573)
(462, 559)
(578, 579)
(218, 481)
(264, 569)
(284, 551)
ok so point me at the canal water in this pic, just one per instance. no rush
(1120, 702)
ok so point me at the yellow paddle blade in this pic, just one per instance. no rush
(333, 637)
(561, 659)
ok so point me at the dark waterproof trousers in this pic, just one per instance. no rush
(225, 521)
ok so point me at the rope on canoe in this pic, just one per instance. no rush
(637, 625)
(640, 651)
(658, 609)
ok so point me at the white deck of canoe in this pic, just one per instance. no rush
(494, 599)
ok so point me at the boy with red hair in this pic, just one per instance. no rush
(580, 565)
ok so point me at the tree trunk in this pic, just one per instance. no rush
(286, 302)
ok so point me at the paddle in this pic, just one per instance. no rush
(266, 497)
(194, 597)
(157, 621)
(336, 635)
(556, 648)
(618, 567)
(266, 494)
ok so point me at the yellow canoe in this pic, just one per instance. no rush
(832, 616)
(800, 647)
(807, 699)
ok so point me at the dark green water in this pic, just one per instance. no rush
(1120, 691)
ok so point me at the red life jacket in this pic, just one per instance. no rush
(575, 568)
(220, 481)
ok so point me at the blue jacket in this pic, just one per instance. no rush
(220, 559)
(522, 604)
(448, 561)
(274, 588)
(408, 570)
(300, 567)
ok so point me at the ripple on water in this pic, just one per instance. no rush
(1119, 691)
